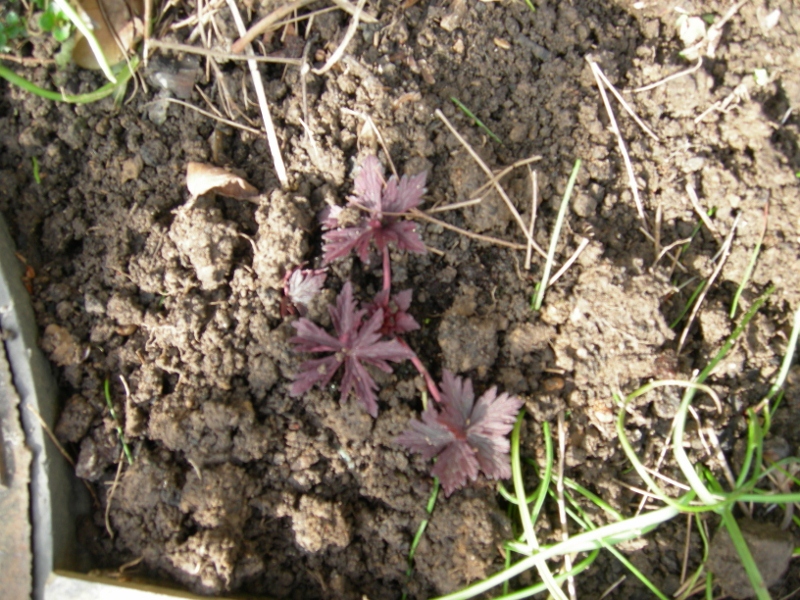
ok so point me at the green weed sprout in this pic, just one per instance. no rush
(125, 448)
(476, 120)
(745, 489)
(703, 497)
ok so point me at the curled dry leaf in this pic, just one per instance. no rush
(202, 178)
(107, 17)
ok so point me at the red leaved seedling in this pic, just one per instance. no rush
(299, 289)
(467, 437)
(356, 344)
(382, 202)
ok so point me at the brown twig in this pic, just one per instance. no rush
(61, 450)
(534, 207)
(221, 56)
(725, 251)
(497, 185)
(284, 11)
(620, 142)
(348, 36)
(476, 236)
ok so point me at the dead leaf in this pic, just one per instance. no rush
(202, 178)
(107, 17)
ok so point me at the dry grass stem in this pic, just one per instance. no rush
(454, 206)
(348, 36)
(657, 230)
(725, 251)
(699, 210)
(624, 103)
(111, 495)
(505, 171)
(60, 448)
(613, 586)
(686, 546)
(581, 247)
(210, 115)
(740, 93)
(477, 196)
(29, 61)
(534, 206)
(665, 479)
(265, 24)
(562, 511)
(668, 78)
(497, 185)
(650, 237)
(367, 119)
(620, 142)
(476, 236)
(221, 56)
(148, 24)
(272, 138)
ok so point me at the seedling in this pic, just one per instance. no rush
(467, 437)
(126, 449)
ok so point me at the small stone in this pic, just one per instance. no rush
(131, 169)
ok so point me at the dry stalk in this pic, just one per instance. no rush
(476, 236)
(668, 78)
(252, 130)
(725, 251)
(699, 210)
(620, 142)
(272, 138)
(562, 512)
(221, 56)
(111, 495)
(624, 104)
(534, 207)
(497, 185)
(348, 36)
(581, 247)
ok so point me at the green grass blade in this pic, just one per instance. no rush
(476, 120)
(100, 93)
(551, 252)
(120, 433)
(753, 574)
(79, 24)
(689, 303)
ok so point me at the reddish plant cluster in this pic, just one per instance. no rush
(465, 437)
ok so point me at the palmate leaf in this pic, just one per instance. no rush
(467, 438)
(356, 344)
(382, 204)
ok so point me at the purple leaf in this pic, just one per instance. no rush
(466, 437)
(355, 345)
(383, 203)
(396, 319)
(303, 285)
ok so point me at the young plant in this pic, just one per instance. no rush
(356, 344)
(381, 204)
(465, 437)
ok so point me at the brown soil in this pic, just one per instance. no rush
(236, 486)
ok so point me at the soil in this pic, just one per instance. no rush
(236, 486)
